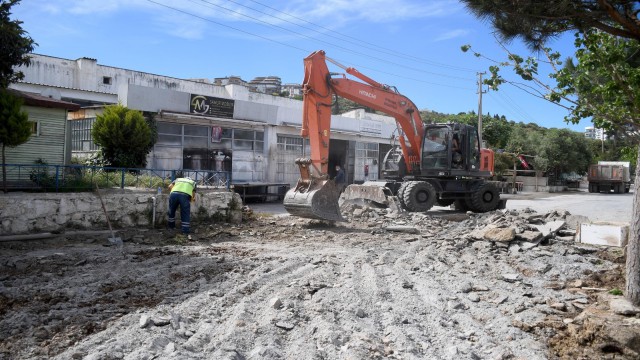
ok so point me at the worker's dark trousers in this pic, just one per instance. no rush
(183, 200)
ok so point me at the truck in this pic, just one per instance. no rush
(430, 163)
(607, 176)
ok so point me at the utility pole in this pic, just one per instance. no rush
(480, 92)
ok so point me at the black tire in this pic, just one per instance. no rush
(626, 189)
(591, 188)
(400, 193)
(445, 202)
(419, 196)
(485, 198)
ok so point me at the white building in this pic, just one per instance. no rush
(205, 126)
(293, 89)
(594, 133)
(266, 84)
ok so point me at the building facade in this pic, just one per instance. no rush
(591, 132)
(205, 126)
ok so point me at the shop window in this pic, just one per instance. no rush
(193, 130)
(169, 128)
(165, 139)
(243, 134)
(196, 142)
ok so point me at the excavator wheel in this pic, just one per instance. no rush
(419, 196)
(485, 198)
(400, 193)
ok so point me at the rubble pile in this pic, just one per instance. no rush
(386, 284)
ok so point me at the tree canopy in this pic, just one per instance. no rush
(15, 45)
(124, 136)
(536, 21)
(606, 80)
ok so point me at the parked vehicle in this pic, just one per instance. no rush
(607, 176)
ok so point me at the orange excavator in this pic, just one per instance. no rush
(432, 163)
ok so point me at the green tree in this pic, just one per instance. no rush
(607, 66)
(563, 151)
(536, 21)
(15, 45)
(523, 140)
(124, 135)
(496, 130)
(15, 128)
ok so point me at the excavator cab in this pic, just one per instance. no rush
(450, 150)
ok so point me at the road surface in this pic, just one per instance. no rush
(597, 207)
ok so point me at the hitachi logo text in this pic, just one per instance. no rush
(368, 94)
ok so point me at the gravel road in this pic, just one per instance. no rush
(597, 207)
(381, 286)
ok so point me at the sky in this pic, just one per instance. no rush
(414, 45)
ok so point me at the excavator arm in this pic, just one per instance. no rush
(315, 196)
(319, 88)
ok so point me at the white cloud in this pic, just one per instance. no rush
(181, 26)
(378, 11)
(452, 34)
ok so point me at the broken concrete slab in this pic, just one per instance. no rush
(550, 228)
(622, 306)
(500, 234)
(403, 229)
(574, 221)
(604, 233)
(530, 236)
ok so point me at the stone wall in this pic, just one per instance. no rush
(533, 183)
(22, 213)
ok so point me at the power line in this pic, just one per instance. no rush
(515, 104)
(228, 26)
(348, 38)
(509, 106)
(331, 44)
(295, 47)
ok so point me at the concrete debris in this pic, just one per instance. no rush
(404, 229)
(622, 306)
(385, 284)
(550, 228)
(275, 303)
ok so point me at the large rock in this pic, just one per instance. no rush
(530, 236)
(574, 221)
(493, 233)
(551, 228)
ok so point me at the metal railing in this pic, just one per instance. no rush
(58, 178)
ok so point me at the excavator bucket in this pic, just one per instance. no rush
(315, 200)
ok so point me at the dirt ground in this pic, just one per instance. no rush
(383, 285)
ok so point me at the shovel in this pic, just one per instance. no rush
(113, 239)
